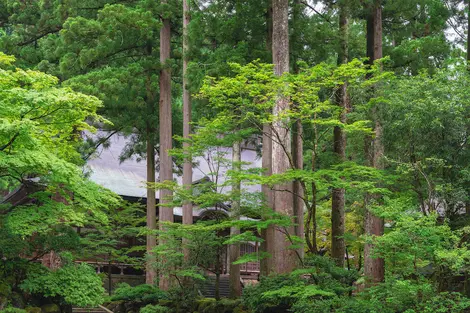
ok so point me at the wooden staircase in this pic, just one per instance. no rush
(208, 288)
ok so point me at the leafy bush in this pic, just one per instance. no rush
(322, 271)
(280, 293)
(154, 309)
(446, 302)
(209, 305)
(253, 295)
(73, 284)
(321, 281)
(183, 299)
(13, 310)
(141, 293)
(393, 297)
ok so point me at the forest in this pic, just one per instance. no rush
(335, 134)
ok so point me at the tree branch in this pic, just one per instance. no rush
(10, 142)
(100, 142)
(316, 11)
(31, 40)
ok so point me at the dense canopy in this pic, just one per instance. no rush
(354, 196)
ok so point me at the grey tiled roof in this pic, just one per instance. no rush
(128, 178)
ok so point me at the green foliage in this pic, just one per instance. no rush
(39, 135)
(413, 243)
(13, 310)
(320, 282)
(72, 284)
(141, 293)
(109, 51)
(40, 127)
(109, 242)
(285, 293)
(444, 302)
(154, 309)
(431, 109)
(279, 293)
(211, 306)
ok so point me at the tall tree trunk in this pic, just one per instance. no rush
(269, 31)
(311, 224)
(234, 250)
(297, 142)
(267, 234)
(374, 268)
(468, 33)
(284, 258)
(151, 208)
(187, 166)
(339, 147)
(298, 202)
(165, 118)
(467, 203)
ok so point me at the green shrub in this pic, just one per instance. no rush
(446, 302)
(272, 293)
(74, 284)
(399, 296)
(154, 309)
(205, 304)
(13, 310)
(50, 308)
(210, 305)
(183, 299)
(33, 309)
(227, 305)
(280, 293)
(141, 293)
(343, 304)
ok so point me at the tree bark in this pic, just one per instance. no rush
(284, 258)
(151, 208)
(297, 143)
(165, 118)
(468, 33)
(338, 248)
(187, 166)
(234, 249)
(266, 162)
(269, 31)
(311, 224)
(298, 202)
(374, 268)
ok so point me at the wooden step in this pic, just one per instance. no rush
(208, 288)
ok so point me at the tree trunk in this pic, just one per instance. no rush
(468, 33)
(166, 164)
(267, 234)
(297, 143)
(311, 224)
(151, 208)
(269, 31)
(374, 268)
(297, 154)
(187, 166)
(284, 258)
(339, 148)
(234, 250)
